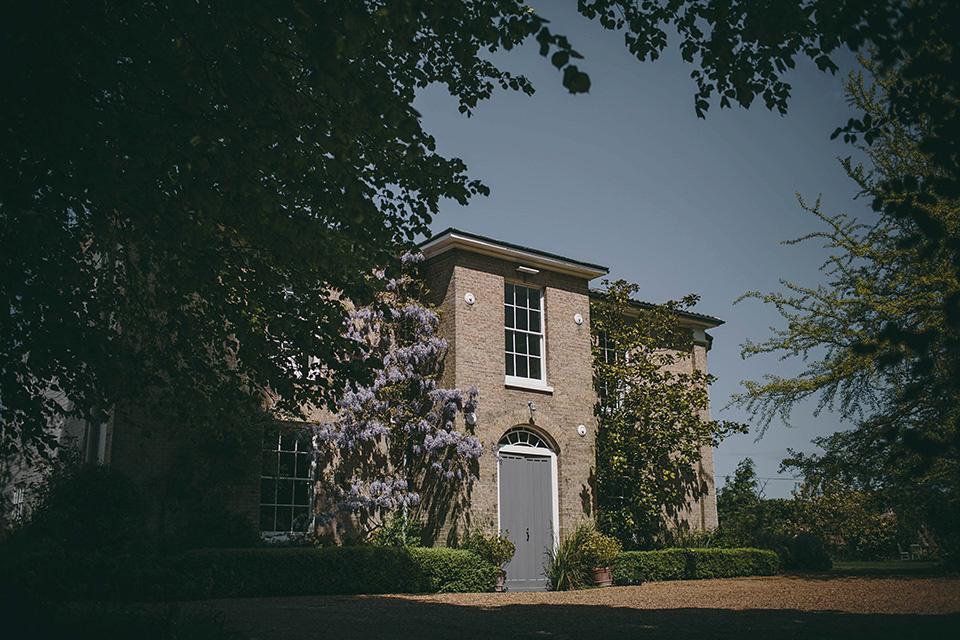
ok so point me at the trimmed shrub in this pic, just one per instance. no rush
(731, 563)
(85, 520)
(633, 567)
(231, 573)
(806, 551)
(213, 528)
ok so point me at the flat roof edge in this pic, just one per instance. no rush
(456, 239)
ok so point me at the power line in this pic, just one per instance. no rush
(715, 476)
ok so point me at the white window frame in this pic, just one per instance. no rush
(611, 355)
(18, 502)
(528, 383)
(276, 448)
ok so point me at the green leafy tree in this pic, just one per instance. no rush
(190, 190)
(737, 504)
(747, 519)
(921, 500)
(856, 524)
(918, 53)
(877, 277)
(650, 413)
(885, 287)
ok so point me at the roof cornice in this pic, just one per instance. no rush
(456, 239)
(688, 318)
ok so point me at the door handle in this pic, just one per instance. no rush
(528, 534)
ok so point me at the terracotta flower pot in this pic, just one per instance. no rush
(602, 576)
(501, 576)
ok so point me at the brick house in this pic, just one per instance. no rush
(517, 321)
(518, 324)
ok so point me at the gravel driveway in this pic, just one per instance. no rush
(751, 608)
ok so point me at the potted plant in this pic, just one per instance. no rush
(598, 552)
(496, 549)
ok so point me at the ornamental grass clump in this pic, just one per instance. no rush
(566, 570)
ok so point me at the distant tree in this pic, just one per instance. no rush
(649, 413)
(738, 498)
(396, 451)
(747, 518)
(856, 524)
(922, 497)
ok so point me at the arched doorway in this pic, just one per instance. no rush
(528, 505)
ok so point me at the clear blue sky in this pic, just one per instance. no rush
(627, 176)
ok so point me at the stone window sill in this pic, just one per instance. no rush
(526, 384)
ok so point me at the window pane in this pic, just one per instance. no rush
(510, 368)
(535, 368)
(522, 367)
(534, 346)
(287, 464)
(508, 293)
(535, 321)
(521, 296)
(522, 319)
(508, 341)
(300, 518)
(288, 442)
(284, 491)
(534, 299)
(521, 342)
(284, 518)
(300, 492)
(508, 317)
(303, 465)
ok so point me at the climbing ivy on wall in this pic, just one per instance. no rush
(650, 415)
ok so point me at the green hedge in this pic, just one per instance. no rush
(230, 573)
(633, 567)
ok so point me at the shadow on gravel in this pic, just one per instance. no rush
(398, 619)
(900, 573)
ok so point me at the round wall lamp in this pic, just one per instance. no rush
(578, 318)
(469, 298)
(471, 418)
(581, 430)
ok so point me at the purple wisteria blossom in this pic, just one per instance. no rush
(393, 442)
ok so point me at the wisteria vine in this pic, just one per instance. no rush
(391, 443)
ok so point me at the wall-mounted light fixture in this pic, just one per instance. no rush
(578, 318)
(530, 270)
(469, 298)
(581, 430)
